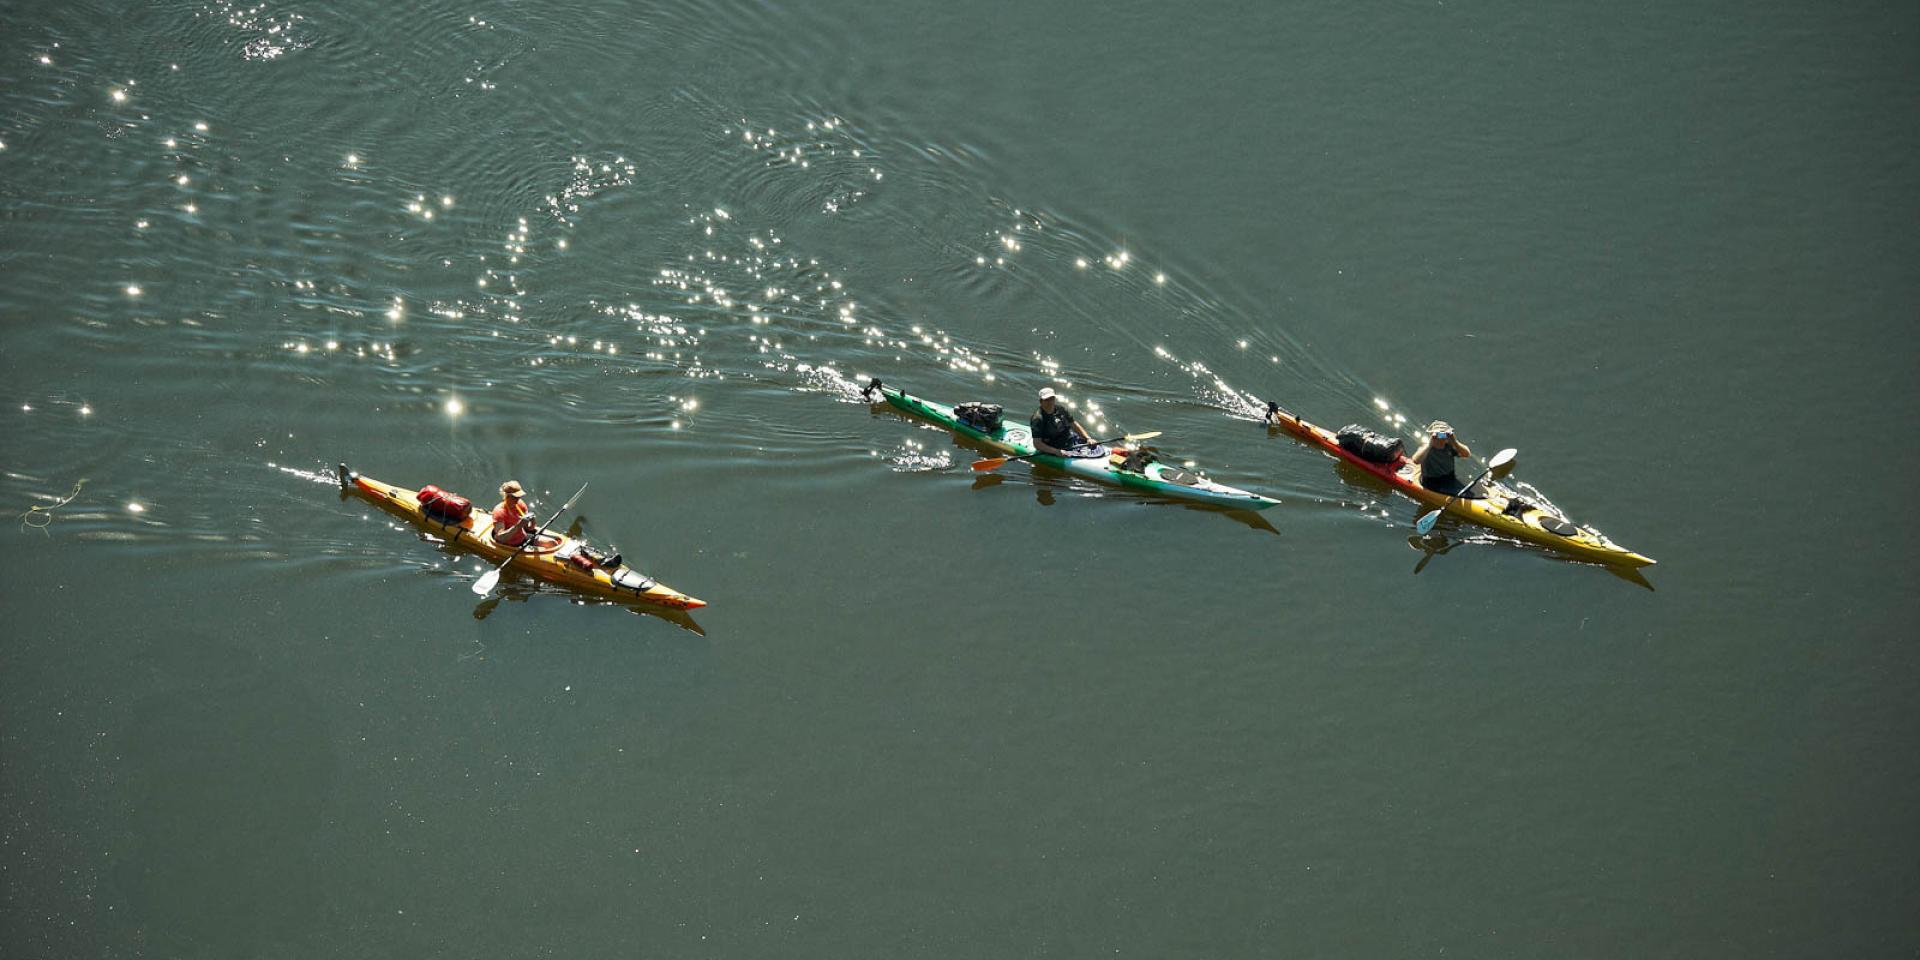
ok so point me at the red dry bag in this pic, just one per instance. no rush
(444, 506)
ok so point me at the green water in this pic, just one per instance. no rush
(1667, 251)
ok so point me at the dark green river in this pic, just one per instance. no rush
(1667, 251)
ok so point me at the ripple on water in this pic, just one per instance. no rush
(452, 248)
(258, 30)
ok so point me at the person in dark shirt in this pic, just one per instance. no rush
(1435, 458)
(1055, 430)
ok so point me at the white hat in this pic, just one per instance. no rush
(1046, 393)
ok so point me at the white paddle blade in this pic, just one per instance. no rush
(485, 584)
(1425, 526)
(1502, 458)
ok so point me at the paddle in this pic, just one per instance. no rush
(995, 463)
(1501, 459)
(485, 584)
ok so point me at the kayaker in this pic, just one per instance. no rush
(1054, 427)
(512, 519)
(1436, 457)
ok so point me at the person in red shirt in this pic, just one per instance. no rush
(512, 520)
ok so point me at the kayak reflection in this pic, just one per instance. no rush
(1430, 546)
(1436, 544)
(521, 589)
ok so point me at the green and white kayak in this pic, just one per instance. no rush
(1014, 438)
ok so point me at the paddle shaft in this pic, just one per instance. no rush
(995, 463)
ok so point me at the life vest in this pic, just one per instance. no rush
(506, 522)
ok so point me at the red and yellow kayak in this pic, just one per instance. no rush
(1504, 510)
(555, 559)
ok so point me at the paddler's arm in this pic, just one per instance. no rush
(1461, 448)
(1077, 428)
(1421, 454)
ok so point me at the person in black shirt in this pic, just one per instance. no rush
(1435, 458)
(1055, 430)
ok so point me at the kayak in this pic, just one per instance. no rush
(1016, 440)
(1504, 510)
(555, 558)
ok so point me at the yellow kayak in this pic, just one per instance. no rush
(1503, 511)
(555, 558)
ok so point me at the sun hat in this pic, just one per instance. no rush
(1046, 393)
(1439, 427)
(512, 489)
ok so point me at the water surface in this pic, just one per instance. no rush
(1665, 251)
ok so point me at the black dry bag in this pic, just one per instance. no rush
(984, 417)
(1369, 446)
